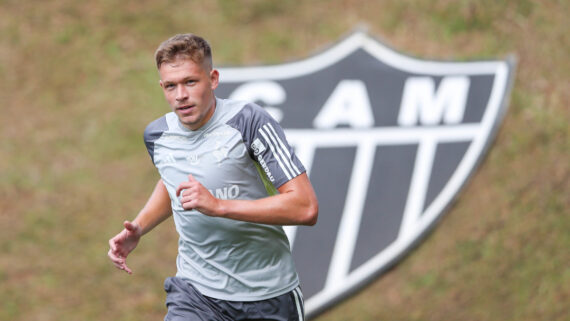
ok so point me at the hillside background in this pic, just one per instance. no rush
(78, 85)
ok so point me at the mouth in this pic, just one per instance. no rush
(185, 107)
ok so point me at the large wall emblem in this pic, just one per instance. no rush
(388, 142)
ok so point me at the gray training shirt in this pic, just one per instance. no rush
(240, 153)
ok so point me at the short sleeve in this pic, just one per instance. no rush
(267, 144)
(153, 132)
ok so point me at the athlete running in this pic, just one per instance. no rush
(230, 180)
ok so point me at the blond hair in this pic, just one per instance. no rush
(184, 46)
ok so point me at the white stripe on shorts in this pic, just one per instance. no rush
(299, 302)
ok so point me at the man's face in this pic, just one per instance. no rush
(189, 89)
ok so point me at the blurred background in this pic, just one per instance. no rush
(78, 85)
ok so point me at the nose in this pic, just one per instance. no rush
(181, 93)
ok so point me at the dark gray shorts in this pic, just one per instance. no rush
(184, 302)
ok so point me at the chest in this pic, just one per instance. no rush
(218, 158)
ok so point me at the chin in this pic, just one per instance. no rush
(186, 119)
(187, 123)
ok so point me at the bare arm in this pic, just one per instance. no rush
(296, 203)
(156, 210)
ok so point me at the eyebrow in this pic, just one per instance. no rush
(169, 82)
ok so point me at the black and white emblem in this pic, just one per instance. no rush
(388, 142)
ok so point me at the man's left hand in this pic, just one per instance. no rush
(196, 196)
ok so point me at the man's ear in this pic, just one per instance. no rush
(214, 78)
(161, 84)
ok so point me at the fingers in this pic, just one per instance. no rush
(187, 202)
(116, 252)
(112, 245)
(131, 226)
(119, 262)
(116, 241)
(193, 195)
(185, 185)
(182, 186)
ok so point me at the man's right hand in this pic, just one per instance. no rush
(123, 244)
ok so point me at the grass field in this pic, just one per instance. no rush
(78, 86)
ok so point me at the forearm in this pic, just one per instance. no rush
(296, 204)
(271, 210)
(156, 210)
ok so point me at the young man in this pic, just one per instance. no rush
(230, 180)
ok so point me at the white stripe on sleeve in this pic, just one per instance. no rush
(279, 149)
(284, 148)
(275, 153)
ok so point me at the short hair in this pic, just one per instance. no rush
(185, 46)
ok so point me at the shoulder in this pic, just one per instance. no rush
(155, 128)
(246, 113)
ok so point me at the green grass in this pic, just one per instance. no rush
(78, 86)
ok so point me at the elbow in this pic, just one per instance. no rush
(311, 214)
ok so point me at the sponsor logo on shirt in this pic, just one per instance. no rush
(220, 153)
(193, 159)
(257, 147)
(226, 193)
(265, 168)
(168, 159)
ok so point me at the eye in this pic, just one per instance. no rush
(169, 86)
(190, 82)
